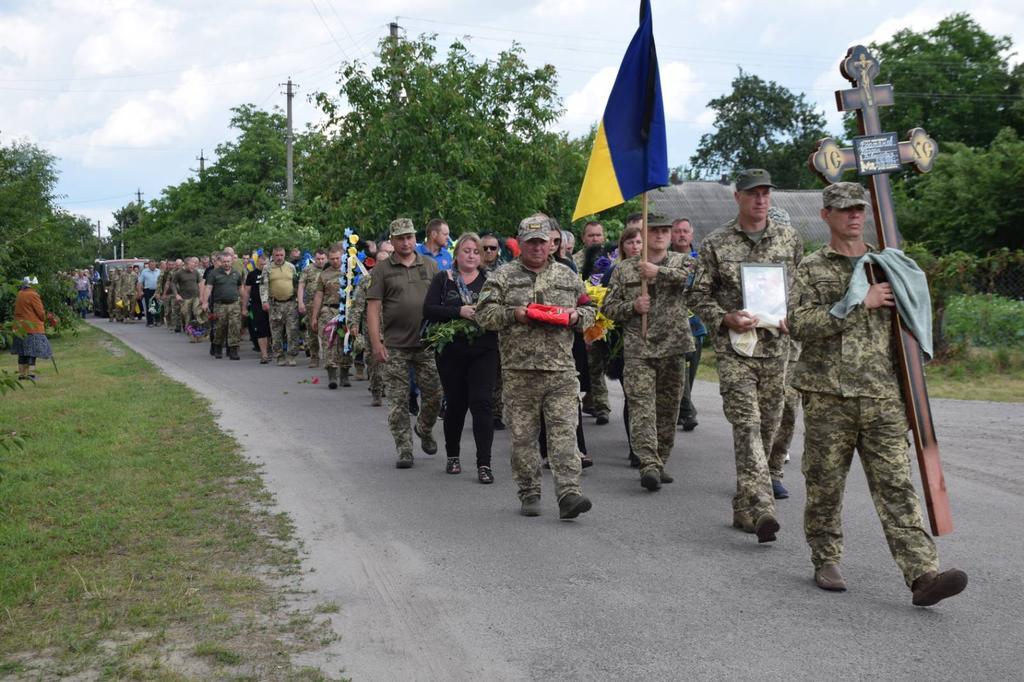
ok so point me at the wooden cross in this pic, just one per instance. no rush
(830, 161)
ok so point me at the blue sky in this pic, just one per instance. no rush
(126, 93)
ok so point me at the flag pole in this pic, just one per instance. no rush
(643, 259)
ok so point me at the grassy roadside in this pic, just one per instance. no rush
(970, 374)
(135, 541)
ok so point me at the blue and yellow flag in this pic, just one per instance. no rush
(629, 155)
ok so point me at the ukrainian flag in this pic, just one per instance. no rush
(629, 155)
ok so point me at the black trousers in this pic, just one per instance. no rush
(468, 374)
(147, 296)
(687, 410)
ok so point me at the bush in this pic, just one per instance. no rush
(985, 320)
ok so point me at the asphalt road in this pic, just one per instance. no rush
(439, 577)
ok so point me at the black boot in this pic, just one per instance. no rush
(213, 348)
(233, 353)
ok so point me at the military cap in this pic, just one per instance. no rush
(402, 226)
(655, 220)
(753, 177)
(844, 195)
(535, 227)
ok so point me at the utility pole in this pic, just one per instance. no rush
(290, 191)
(393, 26)
(138, 195)
(202, 164)
(393, 30)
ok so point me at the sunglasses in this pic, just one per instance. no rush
(490, 248)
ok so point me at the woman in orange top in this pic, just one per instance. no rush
(30, 341)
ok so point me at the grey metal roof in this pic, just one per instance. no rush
(709, 205)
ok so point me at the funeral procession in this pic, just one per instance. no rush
(554, 340)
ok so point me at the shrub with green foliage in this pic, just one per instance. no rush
(985, 320)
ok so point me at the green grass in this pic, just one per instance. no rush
(965, 374)
(130, 527)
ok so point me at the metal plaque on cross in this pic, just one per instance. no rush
(875, 155)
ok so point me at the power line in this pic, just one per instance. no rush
(329, 31)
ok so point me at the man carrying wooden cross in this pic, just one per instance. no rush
(851, 397)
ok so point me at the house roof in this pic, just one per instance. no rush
(709, 205)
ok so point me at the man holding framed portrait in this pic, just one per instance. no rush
(742, 280)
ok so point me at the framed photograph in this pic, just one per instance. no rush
(764, 288)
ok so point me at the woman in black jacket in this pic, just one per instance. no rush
(468, 363)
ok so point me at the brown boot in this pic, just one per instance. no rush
(360, 373)
(766, 527)
(829, 578)
(314, 361)
(931, 588)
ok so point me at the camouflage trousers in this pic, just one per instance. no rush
(752, 395)
(120, 312)
(332, 351)
(191, 312)
(787, 424)
(528, 394)
(374, 372)
(497, 404)
(284, 320)
(877, 429)
(165, 312)
(596, 399)
(653, 388)
(175, 305)
(396, 382)
(311, 337)
(228, 325)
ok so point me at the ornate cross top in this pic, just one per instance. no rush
(876, 154)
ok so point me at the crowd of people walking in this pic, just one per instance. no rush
(512, 333)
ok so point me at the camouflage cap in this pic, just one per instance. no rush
(537, 226)
(655, 220)
(401, 226)
(844, 195)
(753, 177)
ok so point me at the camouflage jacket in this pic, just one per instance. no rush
(535, 345)
(852, 357)
(357, 308)
(307, 280)
(328, 284)
(668, 325)
(716, 288)
(161, 281)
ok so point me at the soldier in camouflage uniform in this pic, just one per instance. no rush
(537, 363)
(116, 277)
(326, 298)
(394, 312)
(307, 285)
(222, 293)
(752, 388)
(185, 285)
(852, 401)
(277, 291)
(654, 375)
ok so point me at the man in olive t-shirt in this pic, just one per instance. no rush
(394, 313)
(185, 284)
(222, 294)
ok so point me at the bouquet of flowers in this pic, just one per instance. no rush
(602, 324)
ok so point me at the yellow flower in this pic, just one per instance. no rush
(353, 239)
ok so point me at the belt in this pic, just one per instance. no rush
(329, 305)
(284, 300)
(225, 302)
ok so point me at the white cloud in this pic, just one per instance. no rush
(560, 9)
(679, 88)
(718, 13)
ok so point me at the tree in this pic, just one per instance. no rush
(954, 81)
(459, 139)
(970, 201)
(280, 228)
(761, 125)
(245, 183)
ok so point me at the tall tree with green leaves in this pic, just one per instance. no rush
(424, 137)
(761, 124)
(953, 80)
(970, 201)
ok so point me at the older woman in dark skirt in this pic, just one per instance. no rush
(30, 341)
